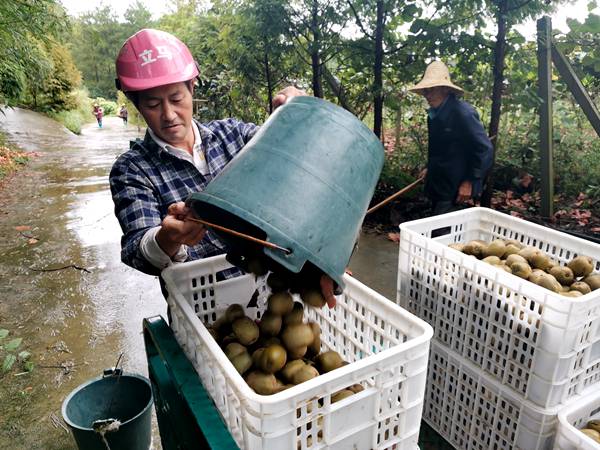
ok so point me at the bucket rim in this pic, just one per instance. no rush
(72, 394)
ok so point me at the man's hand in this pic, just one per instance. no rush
(327, 290)
(176, 231)
(285, 94)
(465, 190)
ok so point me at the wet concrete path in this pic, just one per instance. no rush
(57, 212)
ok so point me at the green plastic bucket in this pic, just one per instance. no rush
(304, 182)
(115, 395)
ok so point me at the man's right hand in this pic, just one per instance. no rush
(176, 231)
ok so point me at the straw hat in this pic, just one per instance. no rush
(436, 74)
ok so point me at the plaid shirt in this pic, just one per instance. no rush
(145, 180)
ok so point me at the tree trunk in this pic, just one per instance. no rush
(337, 88)
(498, 69)
(377, 71)
(269, 83)
(315, 57)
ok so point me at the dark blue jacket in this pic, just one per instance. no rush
(459, 149)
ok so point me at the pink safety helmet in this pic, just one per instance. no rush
(152, 58)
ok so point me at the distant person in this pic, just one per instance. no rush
(459, 150)
(123, 114)
(99, 113)
(178, 156)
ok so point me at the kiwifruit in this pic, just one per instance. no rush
(593, 281)
(242, 362)
(527, 252)
(514, 243)
(511, 259)
(297, 352)
(234, 349)
(571, 294)
(563, 275)
(535, 275)
(256, 356)
(539, 260)
(280, 303)
(296, 315)
(581, 266)
(313, 297)
(511, 249)
(549, 282)
(503, 267)
(315, 346)
(290, 368)
(304, 373)
(565, 288)
(475, 248)
(493, 260)
(276, 282)
(245, 330)
(457, 246)
(593, 434)
(593, 424)
(521, 269)
(495, 248)
(256, 266)
(581, 287)
(328, 361)
(341, 395)
(270, 324)
(262, 383)
(297, 335)
(234, 312)
(272, 359)
(356, 388)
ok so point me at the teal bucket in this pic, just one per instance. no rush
(303, 182)
(115, 395)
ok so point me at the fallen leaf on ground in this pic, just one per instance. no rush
(32, 241)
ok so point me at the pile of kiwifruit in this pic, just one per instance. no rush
(592, 430)
(573, 280)
(278, 351)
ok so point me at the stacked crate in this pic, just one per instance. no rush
(507, 354)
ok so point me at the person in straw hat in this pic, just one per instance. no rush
(459, 151)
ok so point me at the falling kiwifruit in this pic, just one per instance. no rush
(511, 259)
(341, 395)
(276, 282)
(280, 303)
(593, 281)
(234, 312)
(245, 330)
(270, 324)
(328, 361)
(581, 266)
(493, 260)
(313, 297)
(581, 287)
(474, 248)
(495, 248)
(272, 359)
(290, 368)
(262, 383)
(521, 269)
(563, 275)
(304, 373)
(296, 315)
(297, 335)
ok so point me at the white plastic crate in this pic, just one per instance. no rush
(572, 418)
(473, 411)
(386, 346)
(543, 345)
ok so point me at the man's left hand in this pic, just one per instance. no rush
(327, 290)
(285, 94)
(465, 191)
